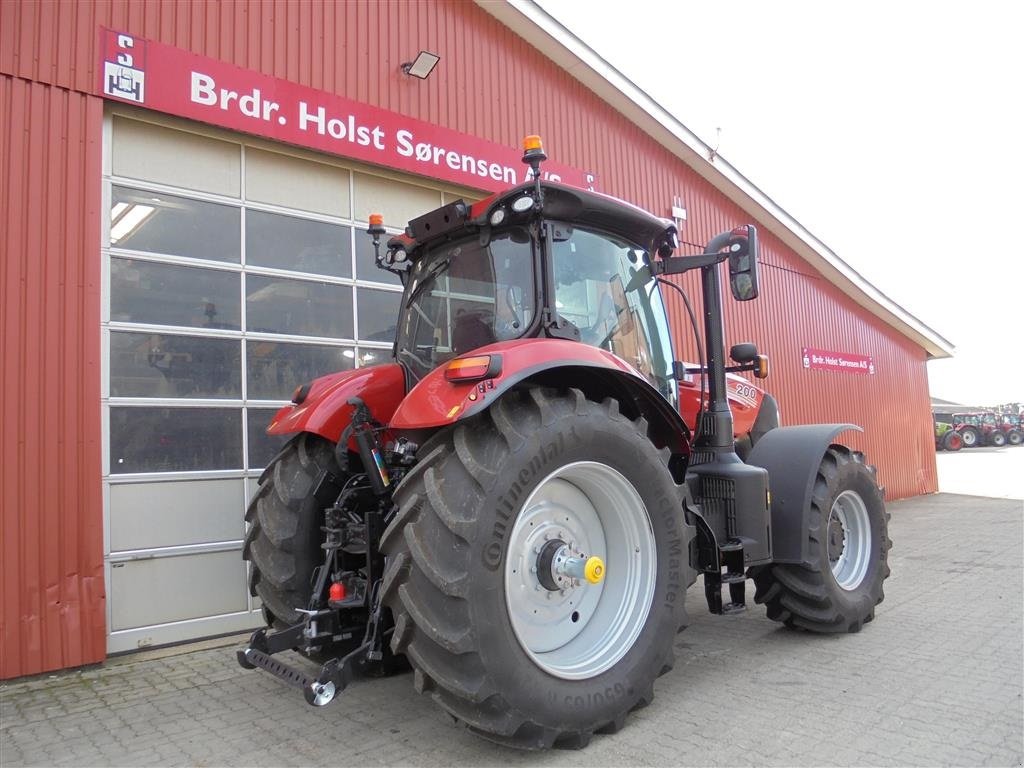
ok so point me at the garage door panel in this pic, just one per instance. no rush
(165, 589)
(397, 201)
(278, 179)
(176, 158)
(167, 514)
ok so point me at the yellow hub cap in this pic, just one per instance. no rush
(593, 571)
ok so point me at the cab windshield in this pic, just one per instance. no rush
(463, 295)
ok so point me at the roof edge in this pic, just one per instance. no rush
(558, 43)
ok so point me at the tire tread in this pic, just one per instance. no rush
(800, 595)
(426, 589)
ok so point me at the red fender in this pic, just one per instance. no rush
(325, 410)
(436, 402)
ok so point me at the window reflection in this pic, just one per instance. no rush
(301, 245)
(162, 223)
(298, 307)
(378, 314)
(149, 439)
(166, 294)
(155, 365)
(275, 369)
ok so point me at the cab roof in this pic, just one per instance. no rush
(561, 203)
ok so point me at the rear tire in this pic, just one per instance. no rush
(459, 548)
(848, 547)
(997, 439)
(1014, 437)
(283, 543)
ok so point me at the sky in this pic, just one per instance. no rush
(893, 131)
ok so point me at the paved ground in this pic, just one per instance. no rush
(935, 679)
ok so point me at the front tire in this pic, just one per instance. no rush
(1014, 437)
(517, 662)
(848, 548)
(997, 439)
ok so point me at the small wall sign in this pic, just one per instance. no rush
(842, 362)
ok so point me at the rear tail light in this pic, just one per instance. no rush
(473, 368)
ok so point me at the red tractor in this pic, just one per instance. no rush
(978, 429)
(1012, 427)
(517, 503)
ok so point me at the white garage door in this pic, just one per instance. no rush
(234, 271)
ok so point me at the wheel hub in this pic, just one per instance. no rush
(849, 540)
(559, 567)
(572, 621)
(836, 539)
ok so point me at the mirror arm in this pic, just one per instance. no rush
(676, 265)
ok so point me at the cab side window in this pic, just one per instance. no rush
(591, 272)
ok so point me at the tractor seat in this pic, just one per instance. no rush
(473, 328)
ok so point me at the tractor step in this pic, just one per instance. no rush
(731, 557)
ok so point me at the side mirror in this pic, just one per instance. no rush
(743, 263)
(743, 353)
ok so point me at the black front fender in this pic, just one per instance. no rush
(792, 456)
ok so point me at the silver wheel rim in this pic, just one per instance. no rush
(967, 437)
(580, 631)
(849, 539)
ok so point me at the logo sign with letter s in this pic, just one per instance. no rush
(124, 67)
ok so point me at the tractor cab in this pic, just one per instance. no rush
(541, 260)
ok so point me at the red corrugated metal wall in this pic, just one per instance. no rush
(490, 84)
(52, 550)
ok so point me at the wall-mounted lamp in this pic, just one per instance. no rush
(422, 65)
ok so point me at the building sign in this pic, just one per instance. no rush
(844, 362)
(175, 81)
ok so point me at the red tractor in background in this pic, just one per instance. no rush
(978, 429)
(518, 502)
(1012, 427)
